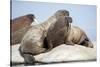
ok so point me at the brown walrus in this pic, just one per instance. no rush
(19, 26)
(33, 41)
(57, 33)
(17, 36)
(21, 22)
(77, 36)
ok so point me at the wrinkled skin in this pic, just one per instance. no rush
(19, 26)
(60, 33)
(57, 33)
(33, 41)
(37, 40)
(78, 36)
(21, 22)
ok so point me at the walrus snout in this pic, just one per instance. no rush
(69, 19)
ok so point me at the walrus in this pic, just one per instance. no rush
(21, 22)
(78, 36)
(20, 25)
(33, 41)
(57, 33)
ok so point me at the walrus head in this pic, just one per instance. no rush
(64, 14)
(33, 19)
(62, 19)
(30, 16)
(61, 13)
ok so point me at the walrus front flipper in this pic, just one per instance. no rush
(67, 42)
(70, 43)
(28, 58)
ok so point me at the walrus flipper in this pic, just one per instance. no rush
(68, 42)
(85, 41)
(28, 58)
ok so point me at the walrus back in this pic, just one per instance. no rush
(75, 34)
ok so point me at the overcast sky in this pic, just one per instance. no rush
(83, 16)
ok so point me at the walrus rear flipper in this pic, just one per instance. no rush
(85, 41)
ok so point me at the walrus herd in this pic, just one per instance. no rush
(55, 31)
(62, 32)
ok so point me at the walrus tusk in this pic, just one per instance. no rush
(35, 22)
